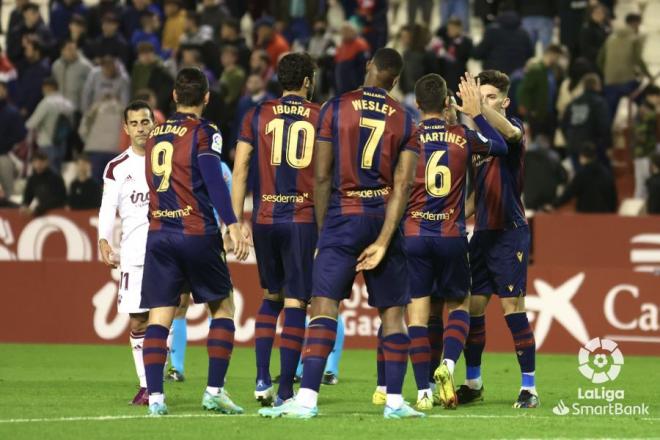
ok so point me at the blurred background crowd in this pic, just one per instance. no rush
(582, 71)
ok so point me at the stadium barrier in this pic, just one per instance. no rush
(592, 276)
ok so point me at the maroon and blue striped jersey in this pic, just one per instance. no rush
(437, 201)
(178, 198)
(367, 129)
(282, 134)
(498, 186)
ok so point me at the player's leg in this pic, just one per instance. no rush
(155, 355)
(420, 349)
(331, 375)
(179, 341)
(138, 326)
(436, 331)
(291, 342)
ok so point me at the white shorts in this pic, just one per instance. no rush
(130, 290)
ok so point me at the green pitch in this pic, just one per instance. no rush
(68, 392)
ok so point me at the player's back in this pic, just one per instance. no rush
(282, 132)
(498, 186)
(178, 198)
(368, 129)
(437, 201)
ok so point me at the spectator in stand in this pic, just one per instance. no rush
(455, 52)
(214, 13)
(147, 32)
(5, 201)
(417, 62)
(454, 9)
(571, 18)
(586, 120)
(85, 192)
(96, 13)
(260, 65)
(189, 56)
(620, 60)
(593, 185)
(12, 131)
(109, 78)
(233, 77)
(538, 19)
(175, 22)
(646, 132)
(32, 70)
(99, 129)
(426, 6)
(70, 71)
(270, 40)
(537, 92)
(593, 33)
(543, 174)
(653, 186)
(131, 20)
(78, 31)
(150, 73)
(44, 189)
(350, 60)
(230, 34)
(110, 42)
(34, 26)
(8, 72)
(255, 94)
(505, 46)
(16, 15)
(61, 13)
(322, 50)
(373, 16)
(194, 33)
(51, 122)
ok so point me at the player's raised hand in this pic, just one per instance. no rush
(106, 253)
(241, 246)
(371, 257)
(470, 96)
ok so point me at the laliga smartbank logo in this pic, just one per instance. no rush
(600, 361)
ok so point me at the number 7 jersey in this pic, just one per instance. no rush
(282, 133)
(368, 129)
(178, 198)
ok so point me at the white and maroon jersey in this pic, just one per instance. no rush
(125, 189)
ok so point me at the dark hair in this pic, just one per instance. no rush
(39, 155)
(652, 89)
(633, 19)
(419, 36)
(191, 86)
(230, 48)
(389, 61)
(591, 81)
(232, 23)
(556, 49)
(495, 78)
(195, 17)
(293, 69)
(145, 47)
(455, 21)
(110, 17)
(31, 7)
(579, 67)
(36, 44)
(145, 94)
(49, 82)
(83, 156)
(135, 106)
(431, 93)
(588, 150)
(79, 20)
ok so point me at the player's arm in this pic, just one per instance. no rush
(323, 166)
(107, 214)
(239, 183)
(396, 205)
(209, 161)
(469, 206)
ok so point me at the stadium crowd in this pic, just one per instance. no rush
(65, 79)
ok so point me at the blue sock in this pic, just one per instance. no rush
(473, 372)
(395, 351)
(420, 355)
(474, 346)
(291, 341)
(179, 342)
(525, 346)
(265, 326)
(458, 324)
(319, 340)
(335, 356)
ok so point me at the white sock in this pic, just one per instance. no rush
(475, 384)
(307, 397)
(213, 390)
(421, 393)
(394, 401)
(450, 365)
(381, 389)
(136, 348)
(156, 398)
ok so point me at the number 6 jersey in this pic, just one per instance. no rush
(282, 133)
(178, 198)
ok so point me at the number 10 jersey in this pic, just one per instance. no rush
(178, 198)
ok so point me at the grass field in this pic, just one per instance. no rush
(66, 392)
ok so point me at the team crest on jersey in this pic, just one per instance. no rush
(510, 286)
(519, 255)
(216, 143)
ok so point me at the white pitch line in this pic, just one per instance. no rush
(193, 416)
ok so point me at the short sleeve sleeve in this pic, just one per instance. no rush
(324, 130)
(411, 138)
(246, 134)
(209, 140)
(477, 142)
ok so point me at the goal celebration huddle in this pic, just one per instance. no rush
(357, 184)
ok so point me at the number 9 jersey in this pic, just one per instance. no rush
(178, 198)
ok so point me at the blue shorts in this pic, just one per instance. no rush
(438, 267)
(498, 262)
(341, 242)
(285, 256)
(173, 261)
